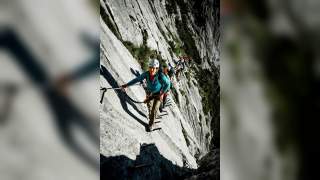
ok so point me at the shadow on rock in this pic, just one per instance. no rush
(209, 167)
(66, 113)
(135, 72)
(122, 96)
(149, 164)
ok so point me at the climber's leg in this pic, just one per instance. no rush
(149, 105)
(155, 106)
(163, 103)
(165, 99)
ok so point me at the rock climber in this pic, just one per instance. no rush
(165, 71)
(157, 85)
(187, 60)
(181, 64)
(171, 72)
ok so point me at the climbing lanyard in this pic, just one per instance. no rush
(104, 90)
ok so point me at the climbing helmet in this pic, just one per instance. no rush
(154, 63)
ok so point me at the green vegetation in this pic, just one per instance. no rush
(176, 47)
(209, 90)
(207, 80)
(185, 35)
(184, 31)
(208, 87)
(143, 53)
(182, 92)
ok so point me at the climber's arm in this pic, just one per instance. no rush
(135, 80)
(165, 84)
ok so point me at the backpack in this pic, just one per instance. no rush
(171, 72)
(158, 75)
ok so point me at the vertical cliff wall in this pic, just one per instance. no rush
(131, 33)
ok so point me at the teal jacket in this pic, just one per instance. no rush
(159, 83)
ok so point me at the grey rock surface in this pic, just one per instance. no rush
(31, 146)
(187, 130)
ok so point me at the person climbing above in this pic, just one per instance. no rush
(176, 61)
(171, 72)
(157, 85)
(182, 63)
(189, 62)
(180, 67)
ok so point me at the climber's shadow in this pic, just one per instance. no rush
(122, 96)
(135, 72)
(9, 92)
(149, 164)
(66, 114)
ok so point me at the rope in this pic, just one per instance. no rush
(104, 90)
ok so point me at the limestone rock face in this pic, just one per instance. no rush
(133, 31)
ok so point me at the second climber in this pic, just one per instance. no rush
(157, 85)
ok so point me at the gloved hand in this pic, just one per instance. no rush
(147, 98)
(123, 87)
(62, 84)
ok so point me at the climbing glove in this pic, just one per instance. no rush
(123, 87)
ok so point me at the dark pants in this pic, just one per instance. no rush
(153, 106)
(163, 101)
